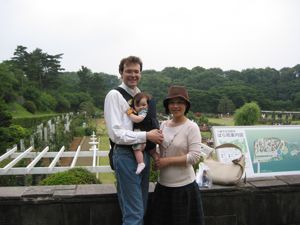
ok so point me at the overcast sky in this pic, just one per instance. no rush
(229, 34)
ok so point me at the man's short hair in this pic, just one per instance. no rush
(130, 60)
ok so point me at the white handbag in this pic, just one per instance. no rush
(226, 173)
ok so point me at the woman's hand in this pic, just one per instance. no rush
(161, 163)
(168, 161)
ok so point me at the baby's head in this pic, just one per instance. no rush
(141, 101)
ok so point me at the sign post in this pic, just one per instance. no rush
(269, 150)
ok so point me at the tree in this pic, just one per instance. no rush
(84, 75)
(197, 70)
(75, 99)
(157, 85)
(248, 114)
(93, 84)
(5, 117)
(63, 105)
(96, 89)
(41, 68)
(9, 134)
(87, 107)
(297, 100)
(9, 84)
(202, 101)
(225, 105)
(33, 94)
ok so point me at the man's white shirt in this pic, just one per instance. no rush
(119, 125)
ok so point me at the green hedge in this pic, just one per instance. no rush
(32, 122)
(72, 176)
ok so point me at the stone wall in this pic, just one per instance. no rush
(264, 201)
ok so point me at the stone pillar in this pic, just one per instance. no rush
(45, 134)
(22, 146)
(32, 140)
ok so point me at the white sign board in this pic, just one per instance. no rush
(269, 150)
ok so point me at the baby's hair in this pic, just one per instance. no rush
(138, 97)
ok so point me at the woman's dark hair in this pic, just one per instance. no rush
(138, 97)
(130, 60)
(187, 106)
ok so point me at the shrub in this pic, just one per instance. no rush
(153, 173)
(33, 94)
(76, 98)
(202, 120)
(63, 105)
(48, 102)
(72, 176)
(30, 106)
(11, 135)
(89, 130)
(87, 107)
(248, 114)
(18, 132)
(5, 116)
(79, 131)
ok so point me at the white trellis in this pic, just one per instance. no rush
(31, 168)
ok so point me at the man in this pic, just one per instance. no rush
(132, 189)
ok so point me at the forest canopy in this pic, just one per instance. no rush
(36, 81)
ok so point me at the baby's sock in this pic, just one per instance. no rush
(140, 168)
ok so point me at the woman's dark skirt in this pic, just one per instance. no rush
(177, 205)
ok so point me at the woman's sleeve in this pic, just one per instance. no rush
(194, 147)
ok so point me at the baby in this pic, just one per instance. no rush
(137, 114)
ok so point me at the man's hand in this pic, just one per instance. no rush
(155, 136)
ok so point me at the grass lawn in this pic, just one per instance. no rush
(18, 111)
(296, 122)
(226, 121)
(206, 134)
(105, 178)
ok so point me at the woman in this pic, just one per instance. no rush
(176, 198)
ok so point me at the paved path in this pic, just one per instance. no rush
(66, 161)
(85, 146)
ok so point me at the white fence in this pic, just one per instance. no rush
(54, 157)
